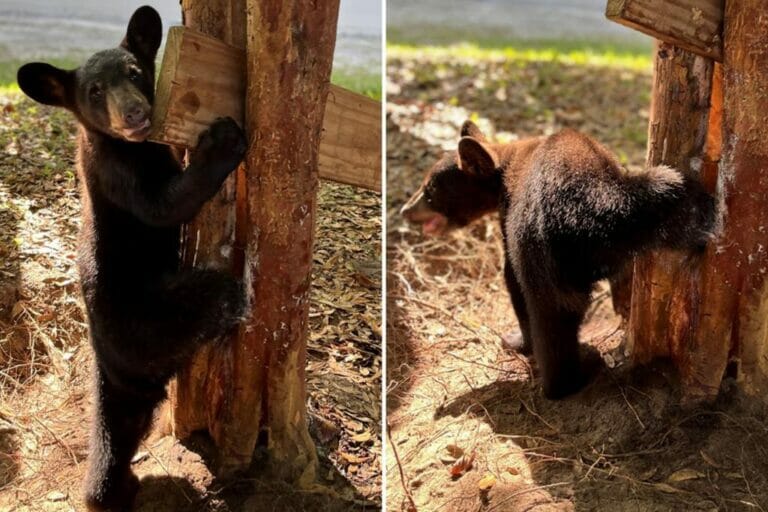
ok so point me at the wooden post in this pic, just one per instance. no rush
(289, 54)
(733, 315)
(715, 312)
(255, 383)
(209, 240)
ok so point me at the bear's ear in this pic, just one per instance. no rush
(47, 84)
(476, 157)
(144, 34)
(470, 129)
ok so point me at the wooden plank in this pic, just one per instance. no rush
(187, 100)
(695, 25)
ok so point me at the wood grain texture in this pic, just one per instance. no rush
(694, 25)
(716, 312)
(265, 385)
(664, 290)
(188, 99)
(209, 239)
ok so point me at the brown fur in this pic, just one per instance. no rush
(571, 215)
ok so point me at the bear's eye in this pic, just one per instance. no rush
(134, 74)
(95, 92)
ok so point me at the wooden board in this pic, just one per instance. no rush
(695, 25)
(202, 78)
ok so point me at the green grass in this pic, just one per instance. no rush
(9, 68)
(358, 80)
(493, 38)
(566, 52)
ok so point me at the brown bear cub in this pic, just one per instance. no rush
(147, 317)
(570, 215)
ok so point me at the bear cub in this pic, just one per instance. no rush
(146, 316)
(570, 216)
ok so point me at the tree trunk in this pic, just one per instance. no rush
(256, 382)
(717, 309)
(289, 55)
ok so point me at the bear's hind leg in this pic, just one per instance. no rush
(556, 344)
(181, 313)
(121, 420)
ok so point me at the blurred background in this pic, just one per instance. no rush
(502, 22)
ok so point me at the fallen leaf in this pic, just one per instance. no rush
(353, 459)
(362, 438)
(454, 451)
(56, 496)
(685, 474)
(709, 460)
(667, 488)
(487, 482)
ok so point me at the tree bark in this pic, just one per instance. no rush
(289, 55)
(733, 316)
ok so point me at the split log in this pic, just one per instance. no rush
(188, 100)
(677, 135)
(694, 25)
(209, 239)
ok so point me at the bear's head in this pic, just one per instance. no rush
(113, 91)
(461, 187)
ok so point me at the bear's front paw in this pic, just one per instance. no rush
(223, 144)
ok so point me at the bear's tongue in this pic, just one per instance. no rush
(433, 225)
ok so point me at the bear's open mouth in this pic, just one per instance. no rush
(435, 225)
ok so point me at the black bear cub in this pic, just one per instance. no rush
(570, 215)
(147, 317)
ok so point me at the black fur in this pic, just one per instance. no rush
(570, 217)
(146, 316)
